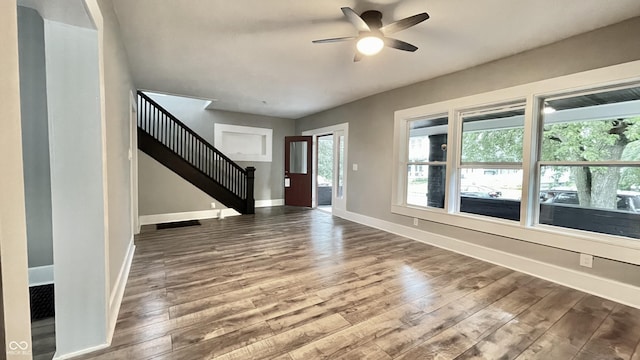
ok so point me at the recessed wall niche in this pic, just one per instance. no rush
(244, 143)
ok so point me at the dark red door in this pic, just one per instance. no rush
(297, 170)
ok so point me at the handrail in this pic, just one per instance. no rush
(188, 129)
(173, 135)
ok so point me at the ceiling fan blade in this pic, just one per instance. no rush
(357, 57)
(322, 41)
(400, 45)
(355, 19)
(404, 23)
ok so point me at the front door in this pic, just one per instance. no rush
(297, 170)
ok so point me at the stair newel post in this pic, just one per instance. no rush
(251, 203)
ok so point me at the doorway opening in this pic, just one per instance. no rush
(330, 149)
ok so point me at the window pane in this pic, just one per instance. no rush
(427, 144)
(426, 185)
(298, 157)
(428, 140)
(493, 136)
(571, 197)
(325, 161)
(491, 192)
(603, 126)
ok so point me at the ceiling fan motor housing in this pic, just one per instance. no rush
(373, 18)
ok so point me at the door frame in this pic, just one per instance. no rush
(338, 205)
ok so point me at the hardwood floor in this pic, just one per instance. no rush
(300, 284)
(43, 336)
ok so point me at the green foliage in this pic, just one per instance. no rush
(599, 140)
(588, 140)
(503, 145)
(602, 140)
(325, 158)
(630, 177)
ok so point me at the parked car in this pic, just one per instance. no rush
(479, 191)
(626, 200)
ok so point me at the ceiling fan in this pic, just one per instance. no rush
(372, 36)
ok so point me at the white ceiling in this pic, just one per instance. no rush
(256, 56)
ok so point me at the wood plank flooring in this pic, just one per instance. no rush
(300, 284)
(43, 336)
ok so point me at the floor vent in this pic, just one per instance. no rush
(177, 224)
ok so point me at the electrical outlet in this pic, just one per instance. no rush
(213, 205)
(586, 260)
(415, 221)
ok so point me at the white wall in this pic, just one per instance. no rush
(77, 187)
(164, 192)
(13, 234)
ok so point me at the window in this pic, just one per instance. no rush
(340, 187)
(554, 162)
(589, 172)
(426, 166)
(491, 161)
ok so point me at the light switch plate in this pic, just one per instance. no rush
(355, 167)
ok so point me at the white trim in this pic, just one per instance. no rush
(80, 352)
(599, 286)
(183, 216)
(325, 130)
(269, 203)
(118, 290)
(41, 275)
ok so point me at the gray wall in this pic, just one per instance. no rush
(371, 130)
(164, 192)
(77, 186)
(35, 137)
(118, 87)
(269, 175)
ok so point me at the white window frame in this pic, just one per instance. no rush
(477, 165)
(602, 245)
(423, 163)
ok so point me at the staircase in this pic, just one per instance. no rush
(170, 142)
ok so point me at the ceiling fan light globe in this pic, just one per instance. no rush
(369, 45)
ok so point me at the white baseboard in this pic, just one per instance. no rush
(80, 352)
(269, 203)
(41, 275)
(118, 290)
(599, 286)
(184, 216)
